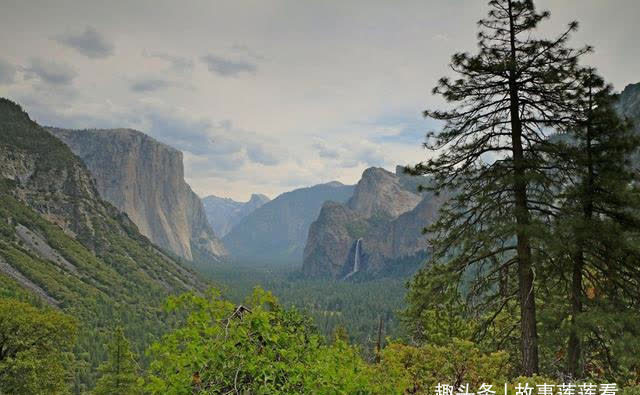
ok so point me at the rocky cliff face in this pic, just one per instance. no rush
(386, 212)
(57, 236)
(145, 179)
(629, 103)
(628, 106)
(224, 213)
(331, 238)
(380, 193)
(277, 231)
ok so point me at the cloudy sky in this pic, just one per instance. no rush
(266, 96)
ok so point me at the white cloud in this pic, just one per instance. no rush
(50, 71)
(7, 72)
(88, 42)
(320, 90)
(228, 67)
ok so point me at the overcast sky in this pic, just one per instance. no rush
(267, 96)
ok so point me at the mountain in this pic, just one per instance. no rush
(277, 231)
(62, 245)
(386, 214)
(629, 102)
(224, 213)
(145, 179)
(381, 193)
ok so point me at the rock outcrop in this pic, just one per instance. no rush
(386, 212)
(224, 213)
(380, 193)
(629, 103)
(145, 179)
(277, 231)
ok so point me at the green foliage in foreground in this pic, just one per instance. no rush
(411, 369)
(257, 347)
(35, 349)
(260, 347)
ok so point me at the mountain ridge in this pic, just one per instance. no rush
(224, 213)
(277, 231)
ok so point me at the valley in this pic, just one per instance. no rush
(228, 199)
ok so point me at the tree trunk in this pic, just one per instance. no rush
(574, 344)
(529, 335)
(379, 343)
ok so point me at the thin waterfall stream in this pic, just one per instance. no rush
(356, 261)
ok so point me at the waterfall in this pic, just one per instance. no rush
(356, 261)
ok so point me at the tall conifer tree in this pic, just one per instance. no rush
(599, 208)
(119, 374)
(493, 152)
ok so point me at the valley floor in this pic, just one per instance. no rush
(355, 306)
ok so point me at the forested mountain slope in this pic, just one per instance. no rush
(62, 245)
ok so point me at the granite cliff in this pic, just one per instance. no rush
(386, 212)
(145, 179)
(629, 103)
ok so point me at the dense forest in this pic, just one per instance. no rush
(532, 281)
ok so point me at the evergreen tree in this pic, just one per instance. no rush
(599, 210)
(493, 153)
(119, 374)
(35, 349)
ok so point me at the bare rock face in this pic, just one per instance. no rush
(379, 192)
(629, 103)
(145, 179)
(386, 213)
(41, 179)
(330, 239)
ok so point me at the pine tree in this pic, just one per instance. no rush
(599, 206)
(118, 374)
(494, 154)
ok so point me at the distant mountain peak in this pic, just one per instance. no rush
(629, 102)
(258, 198)
(277, 231)
(224, 213)
(381, 192)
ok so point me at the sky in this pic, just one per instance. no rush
(269, 95)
